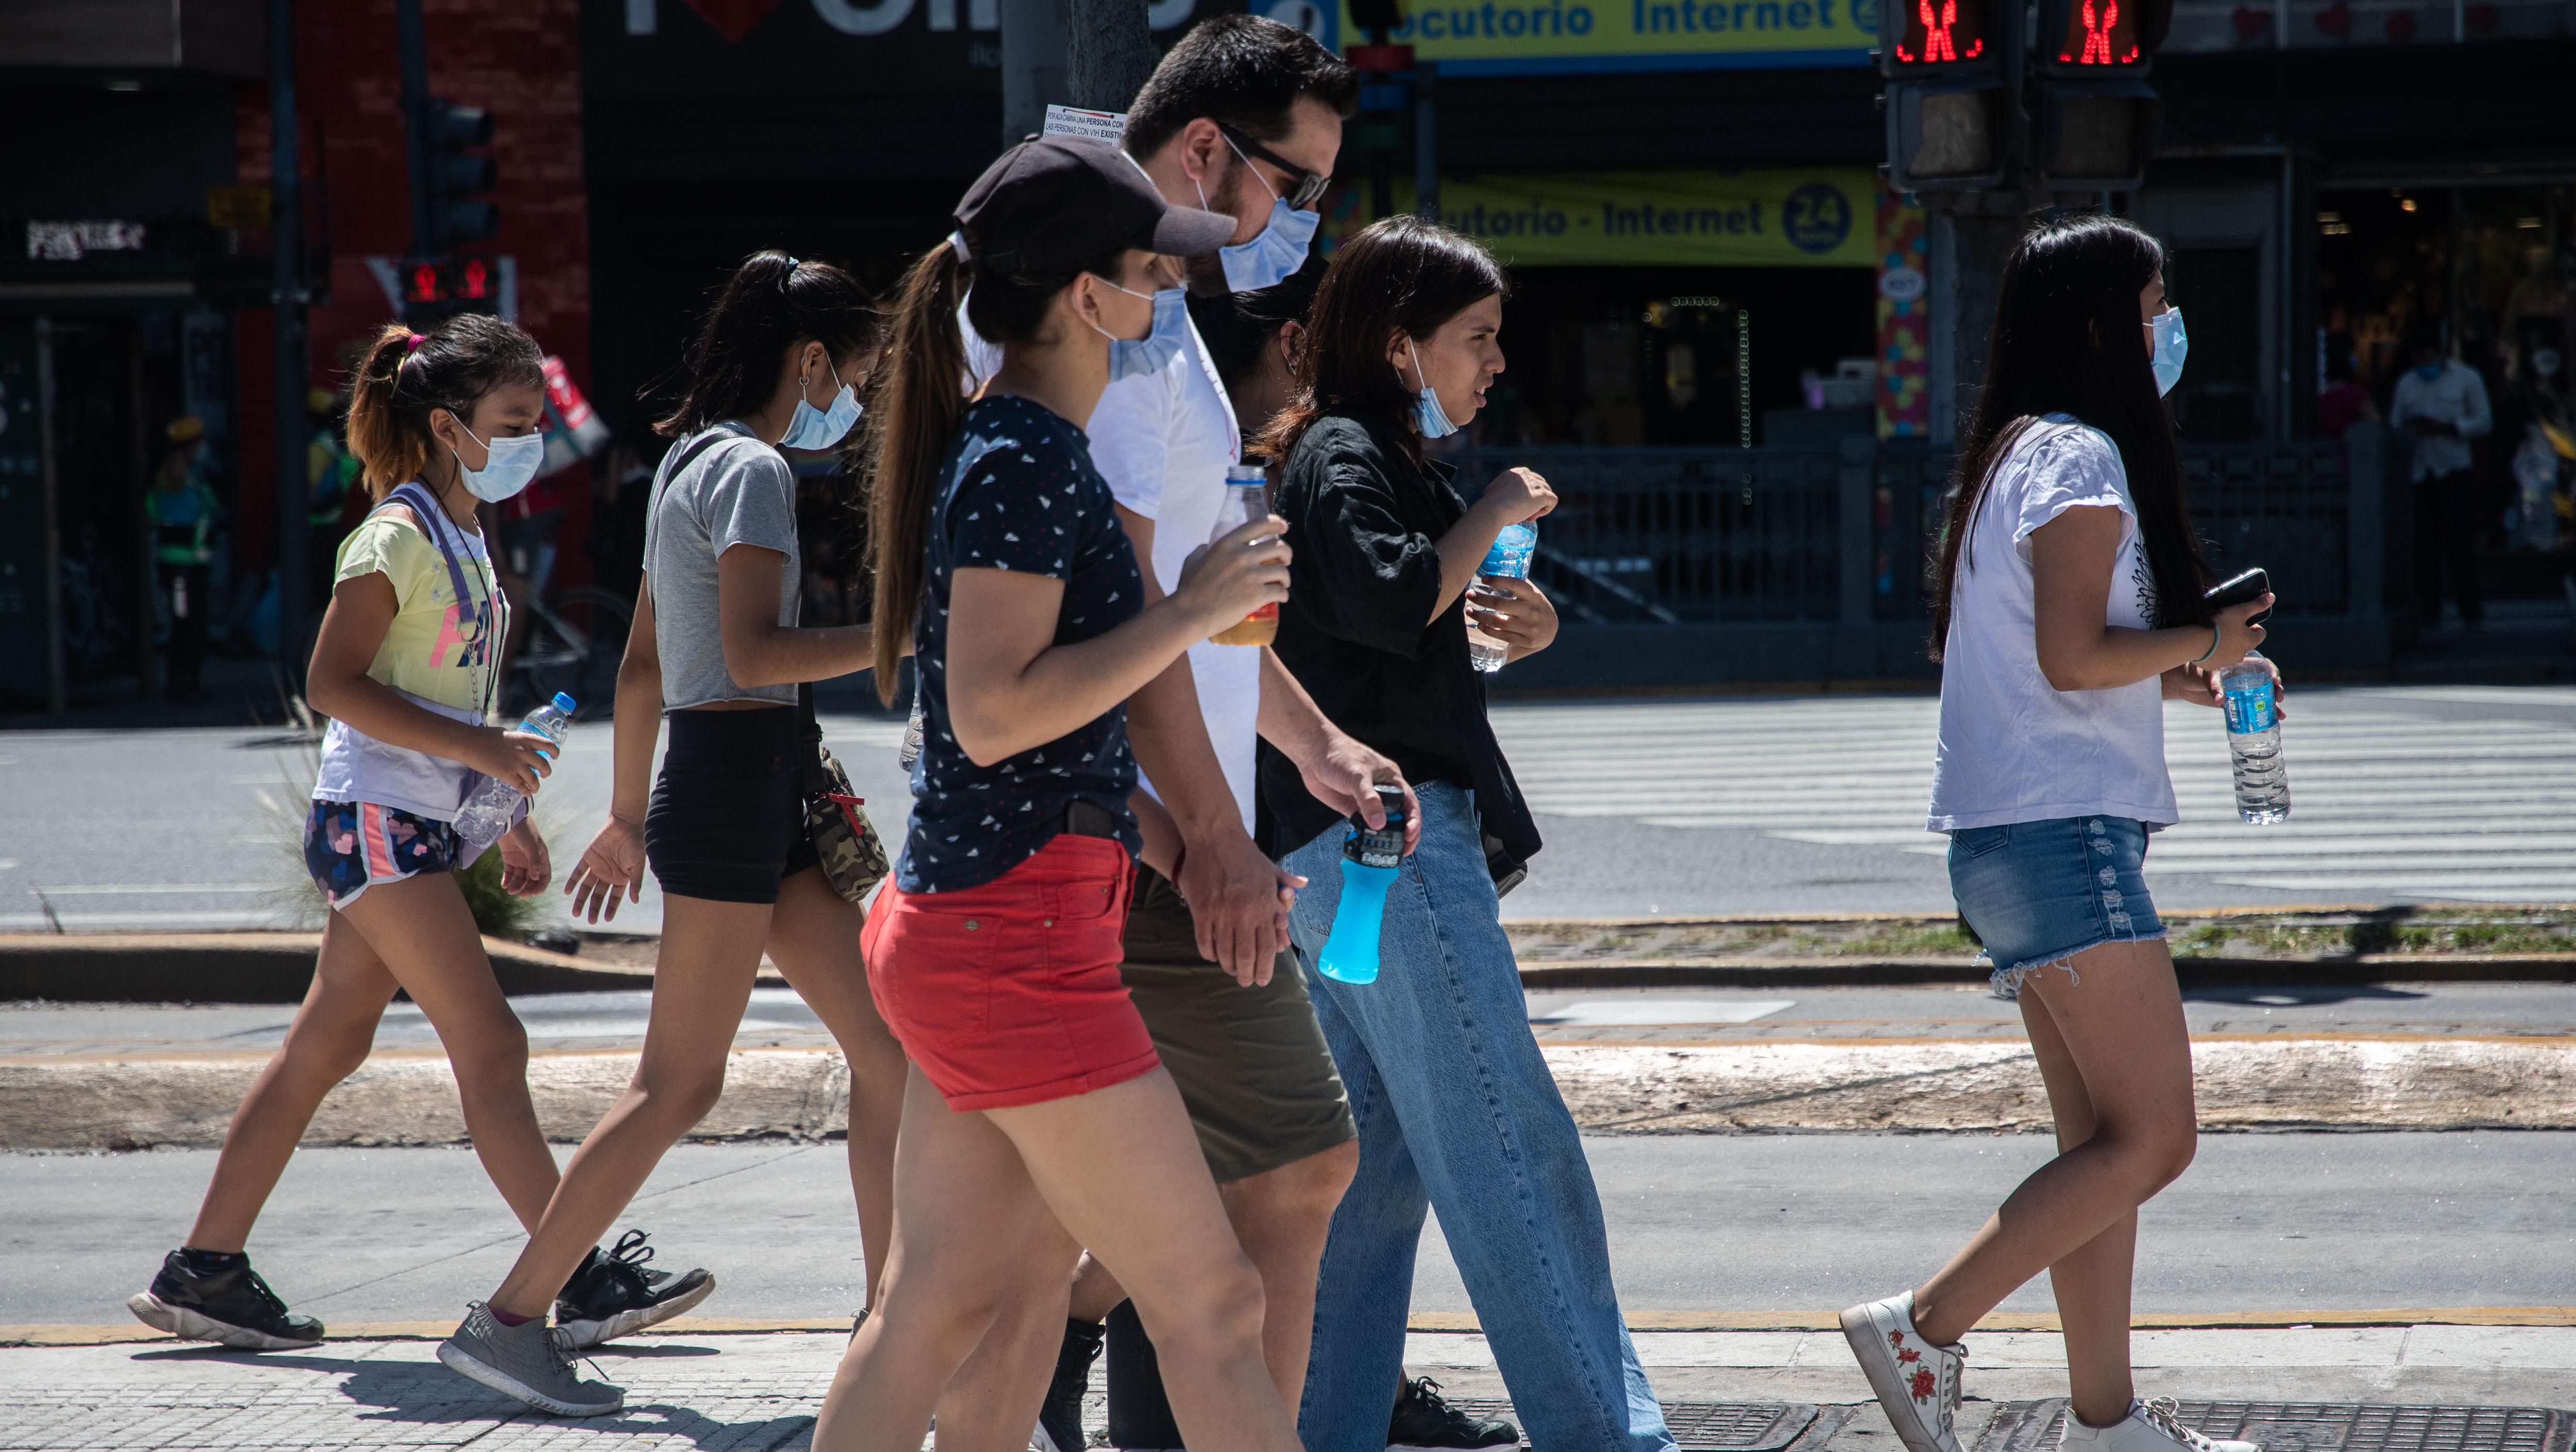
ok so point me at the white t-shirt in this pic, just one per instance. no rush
(2014, 748)
(1163, 440)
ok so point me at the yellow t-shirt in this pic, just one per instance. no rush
(429, 651)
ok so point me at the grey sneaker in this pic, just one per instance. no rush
(1917, 1382)
(527, 1361)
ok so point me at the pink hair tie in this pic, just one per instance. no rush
(412, 345)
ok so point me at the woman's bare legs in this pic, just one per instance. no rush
(993, 1400)
(2116, 1056)
(1122, 1172)
(416, 935)
(814, 940)
(965, 1212)
(1280, 1218)
(702, 980)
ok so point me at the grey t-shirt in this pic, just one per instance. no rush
(728, 491)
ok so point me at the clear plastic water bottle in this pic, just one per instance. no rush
(1247, 498)
(1370, 859)
(2254, 740)
(1509, 559)
(486, 814)
(911, 734)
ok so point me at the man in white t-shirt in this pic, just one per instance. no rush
(2442, 403)
(1243, 117)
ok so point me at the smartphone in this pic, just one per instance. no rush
(2254, 584)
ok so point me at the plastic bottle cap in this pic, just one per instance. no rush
(563, 703)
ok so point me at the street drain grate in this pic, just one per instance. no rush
(1705, 1426)
(2318, 1427)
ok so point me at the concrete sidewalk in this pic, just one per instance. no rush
(760, 1390)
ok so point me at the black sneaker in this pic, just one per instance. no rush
(230, 1306)
(1423, 1420)
(1060, 1416)
(613, 1295)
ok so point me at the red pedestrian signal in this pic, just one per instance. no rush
(1952, 121)
(1940, 32)
(2101, 37)
(438, 288)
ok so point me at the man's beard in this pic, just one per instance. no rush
(1206, 274)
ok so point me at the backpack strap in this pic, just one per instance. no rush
(488, 625)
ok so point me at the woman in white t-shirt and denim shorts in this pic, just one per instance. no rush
(2068, 606)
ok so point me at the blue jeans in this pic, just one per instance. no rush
(1456, 1109)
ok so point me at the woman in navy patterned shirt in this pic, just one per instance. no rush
(1037, 1109)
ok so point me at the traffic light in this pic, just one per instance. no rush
(435, 289)
(1952, 121)
(459, 180)
(2096, 116)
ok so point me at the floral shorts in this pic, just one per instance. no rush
(351, 846)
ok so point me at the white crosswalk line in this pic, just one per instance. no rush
(2385, 802)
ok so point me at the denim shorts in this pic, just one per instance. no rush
(2038, 893)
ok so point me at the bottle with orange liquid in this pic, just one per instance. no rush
(1247, 498)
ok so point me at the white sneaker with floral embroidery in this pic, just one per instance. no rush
(1916, 1381)
(2155, 1426)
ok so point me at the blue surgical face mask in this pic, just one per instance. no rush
(1129, 357)
(1428, 415)
(1277, 250)
(815, 428)
(2172, 345)
(507, 468)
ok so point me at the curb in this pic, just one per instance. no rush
(144, 1100)
(1463, 1323)
(239, 968)
(2361, 970)
(278, 967)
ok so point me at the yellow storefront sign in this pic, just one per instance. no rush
(1821, 217)
(1471, 37)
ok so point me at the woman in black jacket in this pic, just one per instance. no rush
(1455, 1105)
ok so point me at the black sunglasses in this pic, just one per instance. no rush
(1305, 188)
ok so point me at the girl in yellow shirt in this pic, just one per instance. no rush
(404, 667)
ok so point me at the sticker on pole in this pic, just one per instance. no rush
(1106, 126)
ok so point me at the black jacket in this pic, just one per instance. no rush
(1365, 521)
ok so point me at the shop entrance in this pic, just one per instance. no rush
(2485, 276)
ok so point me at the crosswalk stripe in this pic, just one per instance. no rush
(2384, 801)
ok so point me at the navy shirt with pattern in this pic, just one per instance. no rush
(1016, 492)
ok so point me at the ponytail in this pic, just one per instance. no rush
(920, 401)
(921, 392)
(772, 303)
(406, 376)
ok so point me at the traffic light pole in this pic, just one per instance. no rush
(289, 297)
(413, 44)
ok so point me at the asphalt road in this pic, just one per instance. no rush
(1649, 807)
(778, 1018)
(2278, 1222)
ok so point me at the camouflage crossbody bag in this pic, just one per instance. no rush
(854, 860)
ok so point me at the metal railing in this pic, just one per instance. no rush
(1673, 535)
(1677, 536)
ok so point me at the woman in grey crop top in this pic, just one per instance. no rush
(716, 647)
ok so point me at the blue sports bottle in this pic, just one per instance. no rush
(1370, 858)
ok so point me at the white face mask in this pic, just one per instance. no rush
(1428, 415)
(815, 428)
(1275, 251)
(510, 465)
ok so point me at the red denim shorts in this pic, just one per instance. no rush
(1009, 993)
